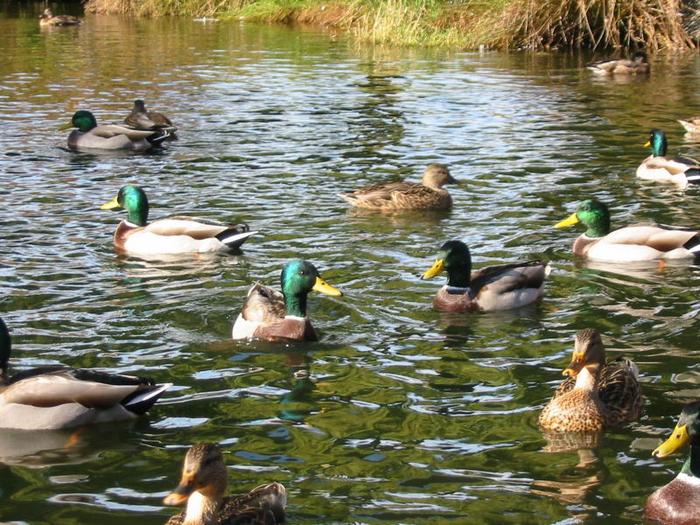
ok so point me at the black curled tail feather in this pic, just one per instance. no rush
(692, 175)
(159, 137)
(693, 245)
(143, 399)
(236, 235)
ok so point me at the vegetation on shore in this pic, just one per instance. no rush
(517, 24)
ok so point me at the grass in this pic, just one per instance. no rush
(467, 24)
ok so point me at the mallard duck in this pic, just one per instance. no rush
(174, 235)
(139, 118)
(55, 397)
(428, 195)
(203, 485)
(677, 502)
(47, 18)
(657, 167)
(273, 316)
(109, 136)
(637, 65)
(692, 125)
(596, 394)
(628, 244)
(492, 288)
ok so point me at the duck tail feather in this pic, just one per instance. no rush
(143, 399)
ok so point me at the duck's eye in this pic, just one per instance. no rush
(302, 272)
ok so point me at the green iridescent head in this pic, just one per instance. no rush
(132, 199)
(456, 260)
(657, 141)
(5, 349)
(591, 213)
(83, 120)
(298, 278)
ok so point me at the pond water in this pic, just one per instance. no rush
(399, 414)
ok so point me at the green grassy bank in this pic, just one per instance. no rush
(516, 24)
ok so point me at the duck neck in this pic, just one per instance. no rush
(295, 304)
(587, 379)
(459, 275)
(202, 508)
(691, 467)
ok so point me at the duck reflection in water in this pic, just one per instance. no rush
(298, 403)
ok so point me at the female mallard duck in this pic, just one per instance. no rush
(596, 394)
(47, 18)
(628, 244)
(657, 167)
(273, 316)
(174, 235)
(109, 136)
(54, 397)
(677, 502)
(428, 195)
(203, 485)
(492, 288)
(692, 125)
(140, 118)
(637, 65)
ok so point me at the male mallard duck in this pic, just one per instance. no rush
(657, 167)
(692, 125)
(628, 244)
(47, 18)
(492, 288)
(637, 65)
(139, 118)
(428, 195)
(203, 485)
(54, 397)
(109, 136)
(174, 235)
(596, 394)
(676, 503)
(273, 316)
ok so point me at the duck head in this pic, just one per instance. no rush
(132, 199)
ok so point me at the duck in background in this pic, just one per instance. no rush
(90, 136)
(692, 125)
(278, 316)
(203, 487)
(629, 244)
(47, 18)
(140, 118)
(388, 196)
(637, 65)
(677, 503)
(656, 167)
(596, 394)
(492, 288)
(173, 235)
(57, 397)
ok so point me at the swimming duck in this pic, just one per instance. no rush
(657, 167)
(109, 136)
(174, 235)
(140, 118)
(492, 288)
(692, 125)
(47, 18)
(56, 397)
(637, 65)
(676, 503)
(628, 244)
(596, 394)
(428, 195)
(203, 485)
(273, 316)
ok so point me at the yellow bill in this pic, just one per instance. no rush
(575, 366)
(569, 221)
(111, 205)
(679, 437)
(647, 144)
(66, 126)
(436, 269)
(322, 286)
(181, 492)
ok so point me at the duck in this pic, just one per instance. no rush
(203, 487)
(691, 125)
(596, 394)
(680, 171)
(637, 65)
(387, 196)
(275, 316)
(90, 136)
(57, 397)
(676, 503)
(47, 18)
(170, 236)
(140, 118)
(638, 243)
(502, 287)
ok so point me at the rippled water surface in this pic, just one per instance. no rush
(399, 414)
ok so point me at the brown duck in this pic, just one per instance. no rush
(596, 394)
(203, 485)
(47, 18)
(142, 119)
(428, 195)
